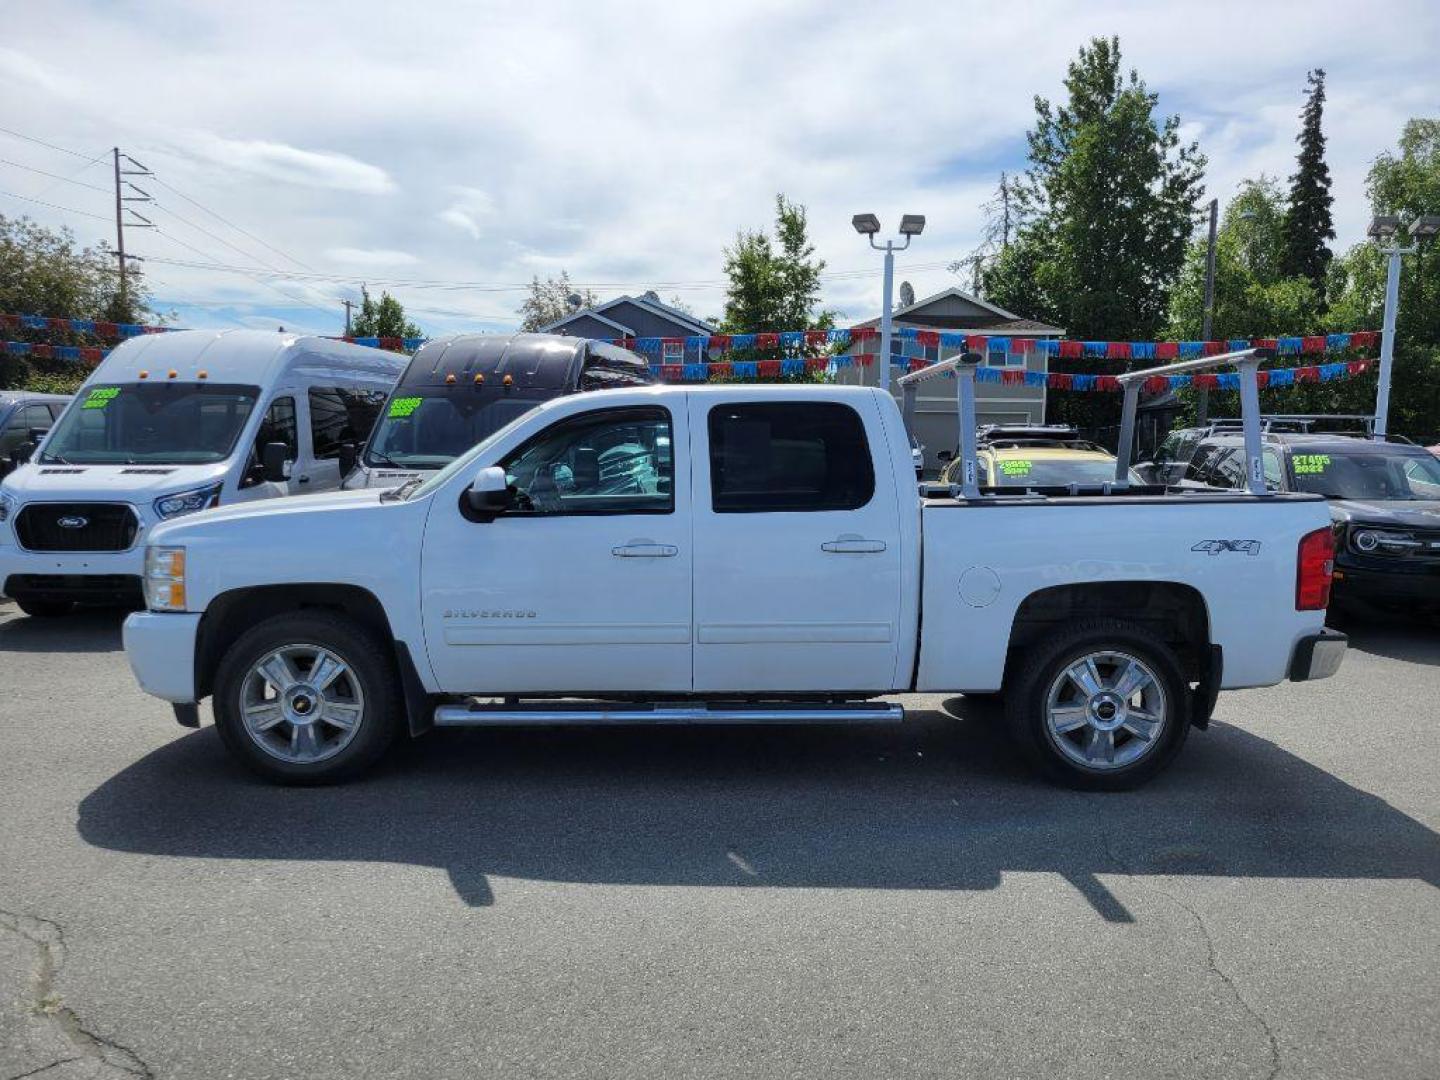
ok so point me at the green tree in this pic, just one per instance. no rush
(1254, 296)
(45, 272)
(1103, 214)
(1308, 223)
(775, 284)
(549, 301)
(382, 318)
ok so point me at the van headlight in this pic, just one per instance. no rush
(7, 507)
(187, 502)
(165, 578)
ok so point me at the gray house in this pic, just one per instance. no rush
(635, 317)
(955, 311)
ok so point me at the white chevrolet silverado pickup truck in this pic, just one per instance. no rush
(725, 554)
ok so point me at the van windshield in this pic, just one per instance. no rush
(163, 423)
(428, 431)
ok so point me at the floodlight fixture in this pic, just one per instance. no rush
(866, 224)
(912, 224)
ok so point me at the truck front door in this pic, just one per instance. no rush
(797, 547)
(584, 586)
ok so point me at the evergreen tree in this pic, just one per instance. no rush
(382, 318)
(1308, 222)
(775, 290)
(549, 301)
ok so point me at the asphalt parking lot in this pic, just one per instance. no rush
(719, 903)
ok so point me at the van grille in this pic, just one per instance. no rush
(101, 527)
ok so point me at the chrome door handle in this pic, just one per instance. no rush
(853, 547)
(645, 551)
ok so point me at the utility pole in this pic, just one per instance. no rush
(348, 305)
(1202, 409)
(140, 222)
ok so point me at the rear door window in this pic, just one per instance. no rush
(766, 458)
(340, 415)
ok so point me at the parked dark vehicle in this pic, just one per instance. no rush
(1384, 499)
(463, 388)
(24, 420)
(1171, 458)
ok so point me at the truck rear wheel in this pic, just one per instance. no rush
(307, 698)
(1100, 705)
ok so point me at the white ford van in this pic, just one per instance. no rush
(169, 424)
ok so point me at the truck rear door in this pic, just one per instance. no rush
(797, 546)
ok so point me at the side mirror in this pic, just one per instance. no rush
(19, 455)
(275, 462)
(489, 496)
(944, 456)
(349, 454)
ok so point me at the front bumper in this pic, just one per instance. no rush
(105, 577)
(1318, 656)
(160, 646)
(1388, 582)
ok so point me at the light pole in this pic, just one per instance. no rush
(867, 225)
(1386, 227)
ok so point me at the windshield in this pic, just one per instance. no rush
(164, 423)
(1020, 472)
(430, 431)
(1376, 476)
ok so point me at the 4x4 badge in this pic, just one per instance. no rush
(1215, 547)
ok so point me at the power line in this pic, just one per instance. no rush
(301, 301)
(56, 176)
(41, 142)
(54, 206)
(194, 202)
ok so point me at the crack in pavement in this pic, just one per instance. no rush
(1211, 960)
(114, 1059)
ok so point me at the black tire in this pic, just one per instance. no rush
(367, 660)
(45, 609)
(1042, 664)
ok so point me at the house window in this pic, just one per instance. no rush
(673, 352)
(1010, 359)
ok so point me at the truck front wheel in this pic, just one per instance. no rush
(307, 698)
(1100, 705)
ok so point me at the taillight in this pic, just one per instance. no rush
(1315, 565)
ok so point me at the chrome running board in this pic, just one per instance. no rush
(684, 713)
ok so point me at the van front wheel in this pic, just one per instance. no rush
(1100, 705)
(307, 698)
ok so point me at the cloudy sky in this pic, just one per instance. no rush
(463, 147)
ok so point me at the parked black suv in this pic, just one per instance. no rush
(1384, 499)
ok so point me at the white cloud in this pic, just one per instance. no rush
(363, 258)
(507, 144)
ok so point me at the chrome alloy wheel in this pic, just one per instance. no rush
(1106, 710)
(301, 703)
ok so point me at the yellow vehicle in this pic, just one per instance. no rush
(1029, 457)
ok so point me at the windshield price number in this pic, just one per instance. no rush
(100, 397)
(1310, 464)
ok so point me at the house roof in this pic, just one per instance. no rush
(664, 311)
(1006, 321)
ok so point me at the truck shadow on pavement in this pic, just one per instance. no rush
(92, 630)
(940, 802)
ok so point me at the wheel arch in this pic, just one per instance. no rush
(1174, 612)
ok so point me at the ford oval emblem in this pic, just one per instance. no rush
(74, 522)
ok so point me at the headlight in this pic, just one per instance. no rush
(187, 502)
(1369, 541)
(165, 578)
(7, 506)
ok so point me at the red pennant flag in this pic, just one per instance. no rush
(769, 369)
(1265, 343)
(1158, 385)
(976, 343)
(861, 333)
(1262, 379)
(40, 351)
(916, 364)
(816, 363)
(1117, 350)
(1213, 348)
(767, 341)
(107, 330)
(1107, 382)
(10, 321)
(929, 338)
(1012, 378)
(1206, 382)
(1364, 339)
(1167, 350)
(722, 370)
(1355, 367)
(62, 325)
(864, 359)
(92, 355)
(1022, 345)
(394, 344)
(1312, 344)
(720, 342)
(1059, 380)
(817, 337)
(672, 372)
(1072, 349)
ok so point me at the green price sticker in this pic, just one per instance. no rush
(1310, 464)
(100, 397)
(402, 407)
(1015, 468)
